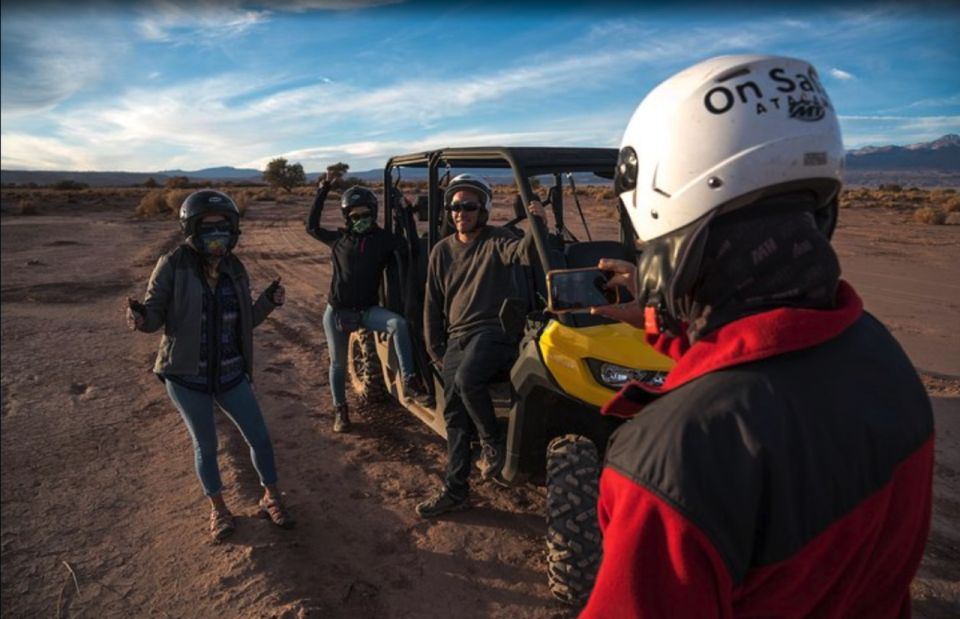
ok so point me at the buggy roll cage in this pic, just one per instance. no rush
(525, 162)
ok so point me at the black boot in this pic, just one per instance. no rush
(492, 458)
(441, 503)
(413, 390)
(341, 419)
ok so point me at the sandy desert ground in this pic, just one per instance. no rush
(102, 515)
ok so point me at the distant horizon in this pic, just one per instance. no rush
(146, 85)
(357, 171)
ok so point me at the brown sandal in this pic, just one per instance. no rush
(277, 513)
(221, 525)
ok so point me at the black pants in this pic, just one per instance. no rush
(469, 364)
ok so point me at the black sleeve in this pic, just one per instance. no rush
(398, 244)
(313, 220)
(434, 329)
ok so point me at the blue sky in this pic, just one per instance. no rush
(150, 86)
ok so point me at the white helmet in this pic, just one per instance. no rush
(729, 132)
(725, 133)
(471, 182)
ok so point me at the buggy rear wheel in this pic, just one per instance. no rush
(363, 367)
(574, 545)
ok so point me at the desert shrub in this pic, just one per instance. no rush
(150, 183)
(240, 199)
(608, 194)
(26, 207)
(283, 175)
(890, 187)
(350, 181)
(929, 215)
(952, 204)
(177, 182)
(175, 198)
(265, 195)
(153, 204)
(69, 185)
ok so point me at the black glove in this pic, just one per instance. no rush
(137, 306)
(272, 290)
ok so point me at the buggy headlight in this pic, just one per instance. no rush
(615, 376)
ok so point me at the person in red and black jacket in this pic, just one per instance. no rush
(784, 469)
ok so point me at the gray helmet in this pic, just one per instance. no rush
(208, 202)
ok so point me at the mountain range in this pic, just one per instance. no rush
(941, 156)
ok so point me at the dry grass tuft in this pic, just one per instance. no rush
(930, 215)
(264, 195)
(175, 198)
(26, 207)
(240, 199)
(152, 204)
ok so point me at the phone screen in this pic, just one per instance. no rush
(577, 290)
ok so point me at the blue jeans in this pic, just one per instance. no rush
(374, 318)
(241, 407)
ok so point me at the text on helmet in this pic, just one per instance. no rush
(801, 96)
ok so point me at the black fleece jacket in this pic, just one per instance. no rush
(358, 259)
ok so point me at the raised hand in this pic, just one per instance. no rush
(276, 292)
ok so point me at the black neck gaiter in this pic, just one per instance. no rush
(757, 261)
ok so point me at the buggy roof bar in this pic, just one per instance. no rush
(533, 160)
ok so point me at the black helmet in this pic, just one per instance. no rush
(208, 202)
(357, 197)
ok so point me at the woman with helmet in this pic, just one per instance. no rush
(359, 253)
(785, 466)
(199, 294)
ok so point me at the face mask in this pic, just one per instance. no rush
(361, 226)
(215, 243)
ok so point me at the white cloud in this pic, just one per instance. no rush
(591, 130)
(876, 130)
(203, 23)
(48, 61)
(936, 102)
(298, 6)
(228, 120)
(840, 74)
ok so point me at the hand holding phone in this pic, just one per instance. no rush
(578, 290)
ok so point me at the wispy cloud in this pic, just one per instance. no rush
(871, 130)
(203, 23)
(299, 6)
(47, 61)
(935, 102)
(361, 110)
(587, 130)
(842, 75)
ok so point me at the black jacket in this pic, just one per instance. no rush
(358, 260)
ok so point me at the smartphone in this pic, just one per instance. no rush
(577, 290)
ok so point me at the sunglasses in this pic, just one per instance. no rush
(220, 226)
(359, 216)
(469, 207)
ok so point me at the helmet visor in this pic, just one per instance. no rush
(625, 177)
